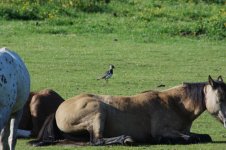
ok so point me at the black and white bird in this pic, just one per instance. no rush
(108, 74)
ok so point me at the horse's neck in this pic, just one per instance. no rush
(191, 98)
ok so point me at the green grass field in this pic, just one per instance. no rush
(68, 53)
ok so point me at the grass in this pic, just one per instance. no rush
(68, 53)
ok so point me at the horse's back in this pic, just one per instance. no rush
(43, 104)
(75, 110)
(45, 101)
(86, 111)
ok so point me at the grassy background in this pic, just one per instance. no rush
(149, 42)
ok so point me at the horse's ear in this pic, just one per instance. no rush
(212, 82)
(220, 79)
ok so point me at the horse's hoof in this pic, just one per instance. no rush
(128, 141)
(98, 142)
(38, 144)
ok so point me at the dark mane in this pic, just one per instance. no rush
(195, 83)
(195, 91)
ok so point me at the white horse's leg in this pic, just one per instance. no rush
(4, 114)
(14, 123)
(4, 127)
(4, 145)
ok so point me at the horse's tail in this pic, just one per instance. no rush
(49, 134)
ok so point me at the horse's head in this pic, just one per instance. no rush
(215, 94)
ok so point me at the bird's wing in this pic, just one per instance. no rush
(104, 75)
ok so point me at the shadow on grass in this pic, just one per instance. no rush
(219, 142)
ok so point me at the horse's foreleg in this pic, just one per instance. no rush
(14, 123)
(171, 137)
(200, 138)
(175, 137)
(171, 140)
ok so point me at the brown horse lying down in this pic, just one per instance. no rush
(38, 107)
(150, 117)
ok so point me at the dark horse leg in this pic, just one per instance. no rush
(190, 138)
(49, 134)
(121, 140)
(200, 138)
(98, 140)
